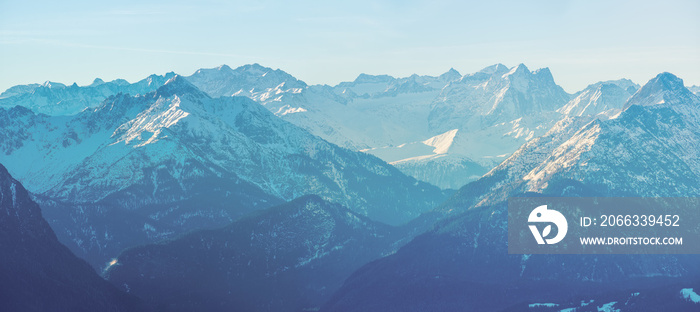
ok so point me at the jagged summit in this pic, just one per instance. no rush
(156, 80)
(485, 102)
(167, 75)
(51, 84)
(544, 74)
(55, 99)
(517, 71)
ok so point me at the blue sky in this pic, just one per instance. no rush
(331, 41)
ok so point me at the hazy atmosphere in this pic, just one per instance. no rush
(354, 156)
(324, 43)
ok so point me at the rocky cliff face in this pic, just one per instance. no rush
(40, 274)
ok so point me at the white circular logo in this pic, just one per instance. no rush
(542, 214)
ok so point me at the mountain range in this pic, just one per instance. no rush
(646, 151)
(54, 98)
(177, 159)
(248, 189)
(479, 119)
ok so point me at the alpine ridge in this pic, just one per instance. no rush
(245, 188)
(177, 159)
(291, 257)
(497, 110)
(645, 151)
(53, 98)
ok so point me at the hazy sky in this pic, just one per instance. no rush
(331, 41)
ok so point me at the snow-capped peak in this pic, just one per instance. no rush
(605, 97)
(494, 69)
(518, 71)
(665, 88)
(244, 80)
(155, 79)
(666, 81)
(177, 79)
(53, 85)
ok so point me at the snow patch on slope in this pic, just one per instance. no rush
(690, 295)
(565, 155)
(441, 142)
